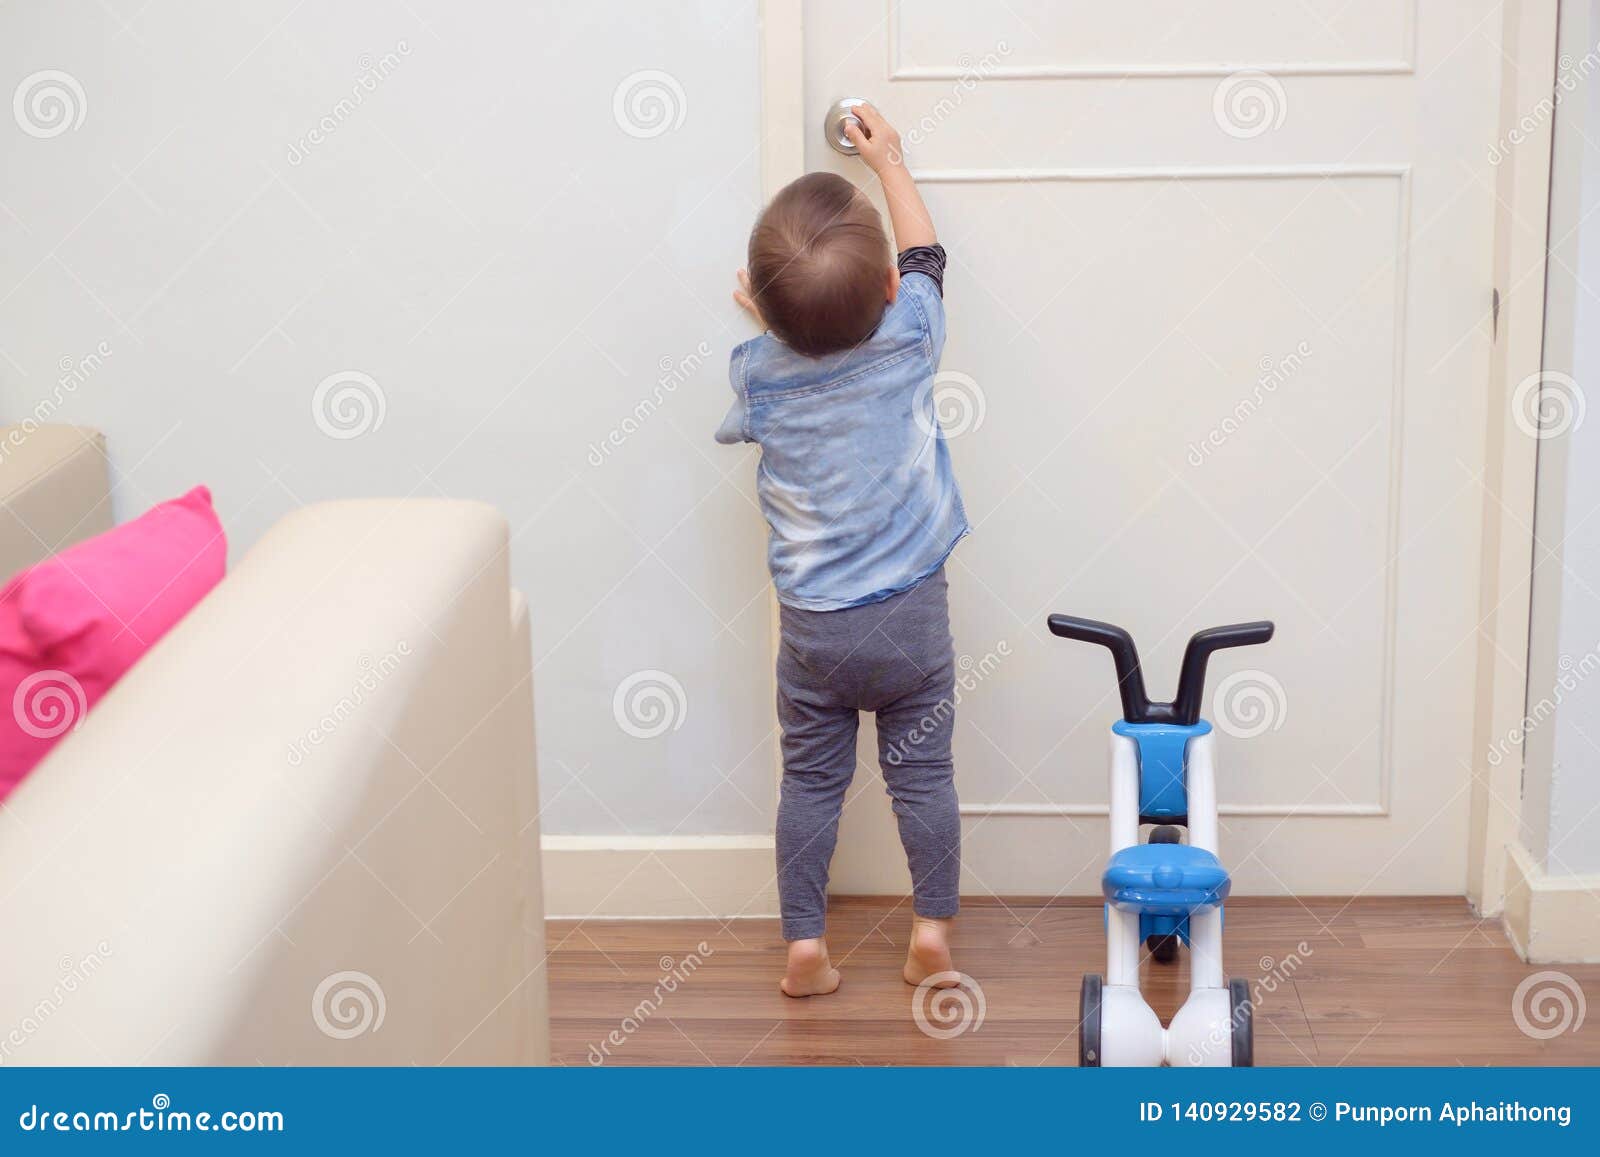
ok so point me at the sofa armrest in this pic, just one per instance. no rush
(290, 834)
(55, 490)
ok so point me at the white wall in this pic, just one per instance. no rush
(1561, 791)
(476, 232)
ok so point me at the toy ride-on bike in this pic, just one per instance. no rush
(1166, 892)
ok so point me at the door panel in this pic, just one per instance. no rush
(1217, 351)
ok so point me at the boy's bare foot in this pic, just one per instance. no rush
(809, 972)
(929, 952)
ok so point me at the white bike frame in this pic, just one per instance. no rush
(1131, 1033)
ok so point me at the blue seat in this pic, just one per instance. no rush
(1165, 880)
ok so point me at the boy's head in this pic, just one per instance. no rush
(820, 266)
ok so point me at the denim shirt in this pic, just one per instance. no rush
(855, 478)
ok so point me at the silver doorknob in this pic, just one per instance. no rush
(833, 124)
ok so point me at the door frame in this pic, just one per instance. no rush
(1506, 546)
(1521, 235)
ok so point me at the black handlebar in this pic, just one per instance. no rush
(1136, 705)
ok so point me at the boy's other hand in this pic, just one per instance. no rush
(875, 138)
(742, 296)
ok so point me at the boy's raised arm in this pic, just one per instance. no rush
(879, 146)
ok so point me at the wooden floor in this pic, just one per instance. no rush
(1377, 981)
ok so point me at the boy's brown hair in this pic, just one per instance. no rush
(819, 265)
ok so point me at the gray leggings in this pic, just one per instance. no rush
(894, 658)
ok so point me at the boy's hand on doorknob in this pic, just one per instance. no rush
(875, 139)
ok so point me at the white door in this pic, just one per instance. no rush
(1219, 296)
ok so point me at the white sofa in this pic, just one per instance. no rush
(302, 830)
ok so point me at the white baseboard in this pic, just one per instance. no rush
(1550, 919)
(659, 877)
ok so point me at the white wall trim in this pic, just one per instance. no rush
(1314, 170)
(1133, 71)
(1550, 919)
(659, 877)
(1405, 63)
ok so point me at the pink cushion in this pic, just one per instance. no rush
(71, 625)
